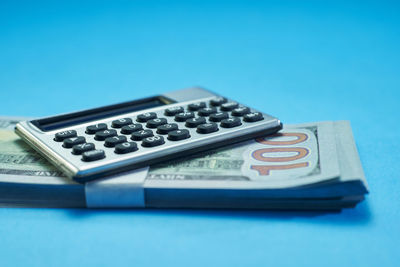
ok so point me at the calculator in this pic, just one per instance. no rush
(98, 142)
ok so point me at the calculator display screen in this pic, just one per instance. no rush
(61, 121)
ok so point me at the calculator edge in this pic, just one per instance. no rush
(21, 129)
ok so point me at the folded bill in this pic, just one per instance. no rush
(305, 166)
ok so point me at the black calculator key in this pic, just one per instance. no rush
(126, 147)
(219, 116)
(128, 129)
(194, 122)
(102, 135)
(79, 149)
(240, 111)
(207, 111)
(217, 101)
(146, 116)
(166, 128)
(178, 135)
(92, 129)
(229, 106)
(154, 123)
(184, 116)
(196, 106)
(121, 122)
(115, 140)
(70, 142)
(253, 117)
(231, 122)
(173, 111)
(207, 128)
(59, 137)
(139, 135)
(93, 155)
(153, 141)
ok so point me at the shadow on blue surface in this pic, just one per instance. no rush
(360, 215)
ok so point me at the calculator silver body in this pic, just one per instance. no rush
(73, 166)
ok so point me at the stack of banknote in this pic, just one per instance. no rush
(312, 166)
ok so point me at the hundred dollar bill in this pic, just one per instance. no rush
(299, 155)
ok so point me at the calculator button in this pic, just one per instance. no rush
(79, 149)
(194, 122)
(146, 116)
(219, 116)
(196, 106)
(207, 128)
(92, 129)
(128, 129)
(166, 128)
(93, 155)
(253, 117)
(231, 122)
(178, 135)
(59, 137)
(70, 142)
(184, 116)
(139, 135)
(217, 101)
(229, 106)
(240, 111)
(115, 140)
(121, 122)
(173, 111)
(102, 135)
(154, 123)
(207, 111)
(125, 147)
(153, 141)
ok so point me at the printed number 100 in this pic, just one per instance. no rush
(300, 152)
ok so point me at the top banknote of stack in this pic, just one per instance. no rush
(313, 166)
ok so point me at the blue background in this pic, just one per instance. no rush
(301, 61)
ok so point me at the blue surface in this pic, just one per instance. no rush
(303, 62)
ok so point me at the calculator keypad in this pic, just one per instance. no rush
(180, 123)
